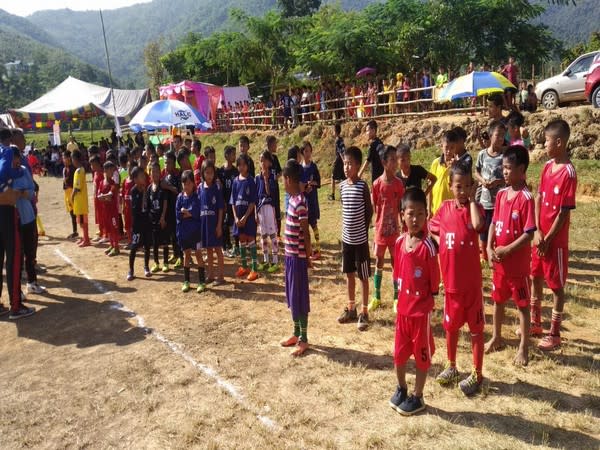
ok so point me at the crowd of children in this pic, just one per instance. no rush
(180, 201)
(459, 223)
(436, 225)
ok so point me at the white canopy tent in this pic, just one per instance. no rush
(6, 121)
(76, 99)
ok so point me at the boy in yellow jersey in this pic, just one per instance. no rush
(440, 168)
(79, 198)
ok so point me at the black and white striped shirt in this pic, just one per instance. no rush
(356, 212)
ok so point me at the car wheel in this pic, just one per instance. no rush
(596, 97)
(550, 100)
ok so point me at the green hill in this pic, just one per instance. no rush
(42, 64)
(130, 29)
(572, 24)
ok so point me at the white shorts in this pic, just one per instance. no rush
(267, 223)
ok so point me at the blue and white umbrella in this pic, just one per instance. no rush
(168, 113)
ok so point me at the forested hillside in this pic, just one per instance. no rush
(572, 24)
(42, 66)
(41, 37)
(130, 29)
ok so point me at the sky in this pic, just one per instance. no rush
(27, 7)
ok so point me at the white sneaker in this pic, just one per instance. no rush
(34, 288)
(103, 241)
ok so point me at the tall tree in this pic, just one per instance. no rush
(155, 70)
(298, 8)
(269, 44)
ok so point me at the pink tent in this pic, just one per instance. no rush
(205, 97)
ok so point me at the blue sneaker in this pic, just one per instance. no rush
(21, 313)
(398, 398)
(411, 405)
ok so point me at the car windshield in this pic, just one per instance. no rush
(582, 65)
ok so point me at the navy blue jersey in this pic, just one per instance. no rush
(267, 193)
(188, 228)
(139, 211)
(211, 202)
(226, 177)
(310, 174)
(243, 194)
(155, 201)
(172, 179)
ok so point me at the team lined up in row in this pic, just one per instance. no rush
(444, 230)
(190, 205)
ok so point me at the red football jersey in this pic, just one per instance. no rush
(111, 207)
(98, 179)
(386, 202)
(557, 188)
(126, 191)
(418, 275)
(459, 247)
(198, 169)
(512, 218)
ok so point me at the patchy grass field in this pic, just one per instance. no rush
(180, 370)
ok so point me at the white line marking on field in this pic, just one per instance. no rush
(177, 349)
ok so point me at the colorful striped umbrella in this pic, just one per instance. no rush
(475, 84)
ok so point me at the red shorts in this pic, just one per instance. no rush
(553, 267)
(381, 245)
(517, 288)
(413, 337)
(97, 211)
(110, 220)
(464, 308)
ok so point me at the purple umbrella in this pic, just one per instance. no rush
(366, 71)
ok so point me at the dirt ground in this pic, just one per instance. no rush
(173, 370)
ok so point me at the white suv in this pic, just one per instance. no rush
(569, 85)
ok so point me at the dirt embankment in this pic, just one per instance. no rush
(424, 133)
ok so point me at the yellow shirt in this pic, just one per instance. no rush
(80, 203)
(441, 189)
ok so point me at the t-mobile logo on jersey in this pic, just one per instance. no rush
(450, 240)
(499, 226)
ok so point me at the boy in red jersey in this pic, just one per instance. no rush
(550, 255)
(126, 186)
(199, 159)
(509, 249)
(109, 194)
(417, 272)
(386, 197)
(456, 226)
(96, 167)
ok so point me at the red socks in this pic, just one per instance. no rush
(477, 349)
(451, 345)
(555, 323)
(86, 233)
(536, 311)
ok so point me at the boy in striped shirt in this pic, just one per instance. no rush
(297, 258)
(357, 212)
